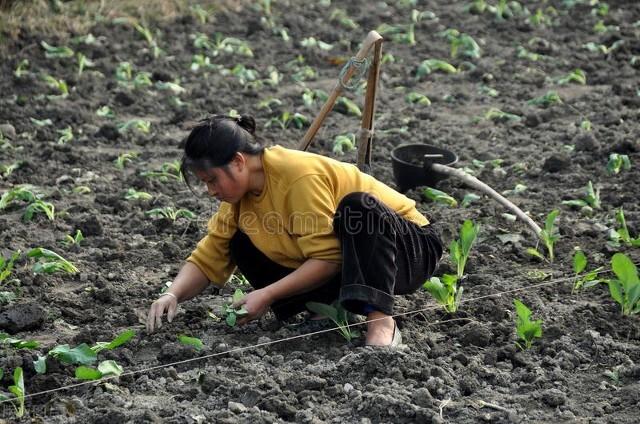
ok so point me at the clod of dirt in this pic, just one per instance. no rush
(90, 226)
(22, 317)
(585, 142)
(125, 99)
(475, 334)
(8, 131)
(556, 163)
(554, 397)
(108, 131)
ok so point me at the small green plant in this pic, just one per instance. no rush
(577, 75)
(168, 171)
(428, 66)
(118, 341)
(17, 390)
(122, 160)
(310, 97)
(148, 37)
(415, 98)
(340, 16)
(66, 135)
(621, 234)
(446, 291)
(523, 53)
(21, 69)
(49, 262)
(526, 330)
(191, 341)
(105, 112)
(344, 143)
(313, 43)
(57, 84)
(618, 162)
(20, 192)
(18, 343)
(221, 44)
(105, 369)
(439, 197)
(497, 115)
(6, 265)
(83, 62)
(133, 194)
(579, 265)
(347, 106)
(286, 119)
(74, 240)
(459, 249)
(138, 124)
(546, 100)
(625, 289)
(590, 201)
(170, 213)
(54, 52)
(230, 313)
(39, 206)
(336, 313)
(200, 13)
(462, 45)
(549, 235)
(200, 61)
(404, 34)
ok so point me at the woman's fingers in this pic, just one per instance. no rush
(151, 318)
(171, 311)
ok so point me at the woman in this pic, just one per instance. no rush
(300, 227)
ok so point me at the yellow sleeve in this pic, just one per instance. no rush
(311, 207)
(211, 255)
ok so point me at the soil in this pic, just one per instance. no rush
(462, 367)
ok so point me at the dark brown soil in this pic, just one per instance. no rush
(461, 368)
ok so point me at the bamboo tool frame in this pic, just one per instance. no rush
(365, 135)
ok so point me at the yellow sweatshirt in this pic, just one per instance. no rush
(292, 219)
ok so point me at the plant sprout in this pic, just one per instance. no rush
(50, 262)
(526, 329)
(20, 192)
(446, 291)
(549, 235)
(105, 369)
(348, 106)
(439, 197)
(462, 45)
(336, 313)
(285, 119)
(74, 240)
(59, 85)
(431, 65)
(200, 61)
(459, 249)
(417, 99)
(53, 52)
(148, 36)
(6, 265)
(625, 289)
(497, 115)
(340, 15)
(231, 313)
(344, 143)
(312, 43)
(168, 170)
(17, 390)
(21, 69)
(123, 159)
(170, 213)
(132, 194)
(546, 100)
(39, 206)
(105, 112)
(579, 265)
(622, 234)
(200, 13)
(141, 125)
(66, 135)
(191, 341)
(577, 75)
(590, 201)
(618, 162)
(83, 62)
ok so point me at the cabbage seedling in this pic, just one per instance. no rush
(17, 390)
(312, 43)
(146, 34)
(590, 201)
(579, 265)
(138, 124)
(344, 143)
(50, 262)
(286, 119)
(105, 369)
(170, 213)
(618, 162)
(191, 341)
(461, 44)
(83, 62)
(132, 194)
(343, 19)
(200, 13)
(118, 341)
(168, 170)
(6, 265)
(549, 235)
(577, 75)
(622, 234)
(459, 249)
(428, 66)
(125, 158)
(417, 99)
(336, 313)
(526, 329)
(39, 206)
(18, 343)
(497, 115)
(439, 197)
(347, 105)
(66, 135)
(105, 112)
(57, 84)
(446, 291)
(54, 52)
(74, 240)
(230, 313)
(546, 100)
(21, 192)
(21, 69)
(626, 288)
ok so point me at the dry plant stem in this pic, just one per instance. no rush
(483, 404)
(475, 183)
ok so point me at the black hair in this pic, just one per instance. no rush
(214, 141)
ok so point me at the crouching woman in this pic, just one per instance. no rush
(300, 227)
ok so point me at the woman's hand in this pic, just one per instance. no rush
(256, 303)
(166, 303)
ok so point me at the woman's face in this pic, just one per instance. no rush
(227, 184)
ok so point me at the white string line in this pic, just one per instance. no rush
(243, 348)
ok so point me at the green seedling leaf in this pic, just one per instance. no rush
(50, 262)
(18, 343)
(459, 249)
(415, 98)
(81, 354)
(121, 339)
(40, 364)
(344, 143)
(468, 199)
(548, 99)
(526, 329)
(6, 265)
(579, 262)
(191, 341)
(439, 197)
(617, 163)
(18, 391)
(87, 373)
(53, 52)
(110, 367)
(432, 65)
(336, 313)
(535, 253)
(577, 75)
(446, 291)
(348, 106)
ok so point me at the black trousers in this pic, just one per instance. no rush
(383, 255)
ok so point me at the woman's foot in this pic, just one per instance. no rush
(381, 330)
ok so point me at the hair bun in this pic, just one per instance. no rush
(247, 123)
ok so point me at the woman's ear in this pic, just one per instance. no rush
(240, 161)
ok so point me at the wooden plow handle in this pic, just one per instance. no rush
(365, 136)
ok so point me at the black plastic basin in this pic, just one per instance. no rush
(412, 169)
